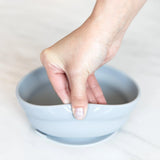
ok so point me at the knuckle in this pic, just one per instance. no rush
(94, 86)
(99, 95)
(45, 51)
(63, 89)
(92, 101)
(44, 54)
(50, 58)
(79, 98)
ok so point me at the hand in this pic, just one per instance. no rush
(72, 61)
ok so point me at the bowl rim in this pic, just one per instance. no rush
(89, 104)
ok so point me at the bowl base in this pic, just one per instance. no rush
(76, 141)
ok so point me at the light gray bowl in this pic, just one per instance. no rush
(49, 116)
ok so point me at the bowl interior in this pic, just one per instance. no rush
(118, 88)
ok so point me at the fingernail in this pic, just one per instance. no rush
(78, 113)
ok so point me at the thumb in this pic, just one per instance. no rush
(79, 99)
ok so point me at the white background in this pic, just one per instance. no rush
(26, 28)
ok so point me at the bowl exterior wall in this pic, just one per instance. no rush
(55, 122)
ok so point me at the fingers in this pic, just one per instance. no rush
(78, 96)
(59, 82)
(79, 92)
(90, 95)
(96, 89)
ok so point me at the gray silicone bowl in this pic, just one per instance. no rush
(49, 116)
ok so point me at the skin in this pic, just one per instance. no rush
(71, 62)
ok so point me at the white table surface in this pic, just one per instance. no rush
(27, 27)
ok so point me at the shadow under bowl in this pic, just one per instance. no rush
(50, 117)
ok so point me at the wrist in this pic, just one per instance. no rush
(114, 16)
